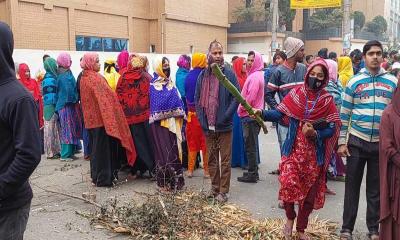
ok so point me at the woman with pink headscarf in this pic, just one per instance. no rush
(122, 62)
(336, 168)
(110, 137)
(68, 109)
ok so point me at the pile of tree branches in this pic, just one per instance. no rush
(190, 215)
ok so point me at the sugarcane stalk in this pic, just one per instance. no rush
(235, 92)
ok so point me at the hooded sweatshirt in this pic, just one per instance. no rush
(253, 89)
(19, 131)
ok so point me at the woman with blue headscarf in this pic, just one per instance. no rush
(68, 108)
(51, 124)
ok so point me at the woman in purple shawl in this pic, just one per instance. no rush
(166, 120)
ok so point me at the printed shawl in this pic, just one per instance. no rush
(165, 101)
(294, 106)
(101, 108)
(133, 93)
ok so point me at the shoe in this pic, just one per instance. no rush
(257, 175)
(206, 175)
(222, 198)
(275, 172)
(346, 235)
(248, 178)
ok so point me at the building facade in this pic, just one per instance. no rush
(159, 26)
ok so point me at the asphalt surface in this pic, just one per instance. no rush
(53, 216)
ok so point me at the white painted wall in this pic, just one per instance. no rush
(34, 59)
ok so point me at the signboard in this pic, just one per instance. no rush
(305, 4)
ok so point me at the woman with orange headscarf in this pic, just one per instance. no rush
(194, 134)
(108, 129)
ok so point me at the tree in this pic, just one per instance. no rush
(326, 18)
(378, 25)
(245, 13)
(286, 15)
(359, 20)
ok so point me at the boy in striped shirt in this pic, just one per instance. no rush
(366, 96)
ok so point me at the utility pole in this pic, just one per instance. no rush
(346, 31)
(275, 9)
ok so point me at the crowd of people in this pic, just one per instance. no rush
(327, 110)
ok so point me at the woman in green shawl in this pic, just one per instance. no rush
(51, 123)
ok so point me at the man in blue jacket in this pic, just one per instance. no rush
(19, 144)
(215, 107)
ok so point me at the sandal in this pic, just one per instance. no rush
(304, 237)
(373, 236)
(287, 232)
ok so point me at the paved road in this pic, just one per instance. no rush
(53, 216)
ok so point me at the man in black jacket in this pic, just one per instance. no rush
(19, 144)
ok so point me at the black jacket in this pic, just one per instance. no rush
(227, 105)
(19, 131)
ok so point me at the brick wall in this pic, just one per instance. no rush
(181, 35)
(41, 29)
(208, 12)
(100, 24)
(141, 36)
(4, 12)
(42, 24)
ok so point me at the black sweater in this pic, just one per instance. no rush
(19, 131)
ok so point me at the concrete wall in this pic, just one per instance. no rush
(244, 42)
(33, 58)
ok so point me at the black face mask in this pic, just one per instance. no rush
(314, 83)
(167, 72)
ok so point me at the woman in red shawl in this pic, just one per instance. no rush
(33, 87)
(239, 158)
(108, 129)
(314, 126)
(239, 67)
(133, 91)
(389, 169)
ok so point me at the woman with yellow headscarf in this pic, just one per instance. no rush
(166, 121)
(111, 74)
(345, 70)
(194, 134)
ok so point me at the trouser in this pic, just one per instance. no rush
(220, 173)
(67, 150)
(304, 210)
(362, 152)
(13, 223)
(192, 161)
(86, 141)
(282, 133)
(251, 129)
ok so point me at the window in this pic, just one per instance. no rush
(99, 44)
